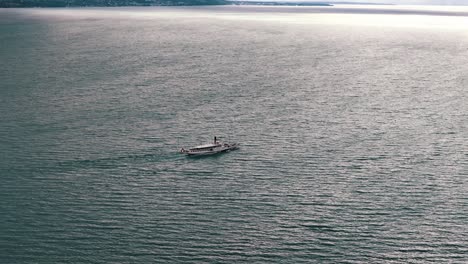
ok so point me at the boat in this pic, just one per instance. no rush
(210, 149)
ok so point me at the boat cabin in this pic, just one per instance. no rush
(207, 147)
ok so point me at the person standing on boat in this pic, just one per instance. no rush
(215, 140)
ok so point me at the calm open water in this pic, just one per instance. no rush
(353, 125)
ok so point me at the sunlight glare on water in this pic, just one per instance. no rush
(448, 18)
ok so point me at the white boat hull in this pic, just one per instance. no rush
(211, 151)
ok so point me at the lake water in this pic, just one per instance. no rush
(353, 124)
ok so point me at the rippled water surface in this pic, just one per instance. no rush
(353, 125)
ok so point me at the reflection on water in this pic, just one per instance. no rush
(441, 17)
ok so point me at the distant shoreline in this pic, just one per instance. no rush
(123, 3)
(279, 3)
(106, 3)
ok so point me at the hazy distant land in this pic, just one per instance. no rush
(75, 3)
(280, 3)
(103, 3)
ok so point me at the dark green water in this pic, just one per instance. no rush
(354, 137)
